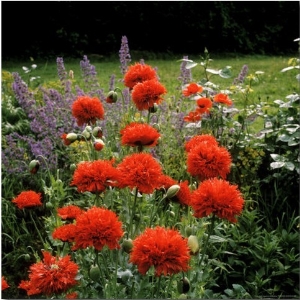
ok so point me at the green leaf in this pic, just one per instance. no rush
(225, 73)
(289, 165)
(216, 72)
(278, 157)
(277, 164)
(191, 65)
(287, 69)
(216, 239)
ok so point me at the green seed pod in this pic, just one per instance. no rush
(127, 245)
(95, 273)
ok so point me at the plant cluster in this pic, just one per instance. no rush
(121, 197)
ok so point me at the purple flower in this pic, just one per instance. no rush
(124, 55)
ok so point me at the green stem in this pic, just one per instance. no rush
(36, 228)
(211, 228)
(133, 212)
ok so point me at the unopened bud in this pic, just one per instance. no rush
(154, 108)
(173, 190)
(98, 144)
(72, 137)
(112, 97)
(86, 134)
(193, 244)
(183, 286)
(127, 245)
(97, 132)
(72, 167)
(95, 273)
(34, 166)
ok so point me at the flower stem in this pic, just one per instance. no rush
(36, 228)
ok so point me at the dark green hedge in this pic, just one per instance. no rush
(46, 29)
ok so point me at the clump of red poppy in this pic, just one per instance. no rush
(219, 197)
(27, 199)
(87, 110)
(52, 275)
(197, 139)
(164, 249)
(192, 89)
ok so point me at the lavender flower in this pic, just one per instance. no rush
(186, 74)
(242, 75)
(124, 55)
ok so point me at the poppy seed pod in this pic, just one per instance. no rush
(94, 273)
(173, 190)
(193, 244)
(127, 245)
(34, 166)
(112, 97)
(72, 137)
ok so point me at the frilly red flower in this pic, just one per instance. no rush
(222, 98)
(197, 139)
(27, 199)
(52, 275)
(139, 134)
(138, 73)
(164, 249)
(192, 89)
(219, 197)
(147, 93)
(87, 110)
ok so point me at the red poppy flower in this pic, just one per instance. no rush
(138, 134)
(164, 249)
(197, 139)
(95, 176)
(4, 284)
(65, 233)
(204, 105)
(98, 144)
(222, 98)
(217, 196)
(138, 73)
(69, 212)
(147, 93)
(52, 275)
(193, 117)
(96, 228)
(140, 170)
(87, 110)
(192, 89)
(206, 161)
(27, 199)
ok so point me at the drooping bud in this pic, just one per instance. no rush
(72, 167)
(98, 144)
(34, 166)
(183, 286)
(97, 132)
(112, 97)
(72, 137)
(193, 244)
(86, 134)
(154, 108)
(173, 190)
(188, 230)
(95, 273)
(127, 245)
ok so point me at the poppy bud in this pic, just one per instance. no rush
(182, 296)
(188, 230)
(98, 144)
(72, 167)
(72, 137)
(112, 97)
(86, 134)
(27, 257)
(88, 128)
(154, 108)
(173, 190)
(95, 273)
(183, 286)
(127, 245)
(97, 132)
(34, 166)
(193, 244)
